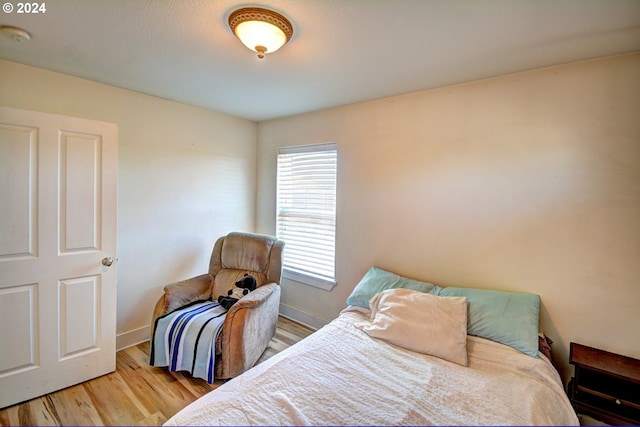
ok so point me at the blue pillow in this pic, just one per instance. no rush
(506, 317)
(377, 280)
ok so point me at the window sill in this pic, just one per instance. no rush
(309, 280)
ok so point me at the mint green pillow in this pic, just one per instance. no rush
(506, 317)
(377, 280)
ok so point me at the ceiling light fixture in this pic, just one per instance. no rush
(261, 30)
(15, 33)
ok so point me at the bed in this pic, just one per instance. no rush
(398, 362)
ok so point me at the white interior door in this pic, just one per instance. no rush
(58, 181)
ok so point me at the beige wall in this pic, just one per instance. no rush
(185, 177)
(526, 182)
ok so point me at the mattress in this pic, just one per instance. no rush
(341, 376)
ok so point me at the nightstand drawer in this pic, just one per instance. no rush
(604, 406)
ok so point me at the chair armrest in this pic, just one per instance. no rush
(179, 294)
(254, 298)
(248, 327)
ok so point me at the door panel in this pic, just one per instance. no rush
(79, 321)
(18, 308)
(57, 300)
(80, 160)
(19, 189)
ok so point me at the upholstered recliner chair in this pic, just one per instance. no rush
(251, 322)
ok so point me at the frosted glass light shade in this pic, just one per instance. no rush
(261, 30)
(256, 34)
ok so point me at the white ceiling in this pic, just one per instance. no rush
(342, 51)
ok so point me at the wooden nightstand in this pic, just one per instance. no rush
(606, 385)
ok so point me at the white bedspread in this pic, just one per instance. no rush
(341, 376)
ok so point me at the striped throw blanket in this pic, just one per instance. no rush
(184, 340)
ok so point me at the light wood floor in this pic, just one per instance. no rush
(135, 394)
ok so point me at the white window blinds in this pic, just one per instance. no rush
(306, 210)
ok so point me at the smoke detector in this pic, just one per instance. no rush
(15, 33)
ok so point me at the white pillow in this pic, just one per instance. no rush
(420, 322)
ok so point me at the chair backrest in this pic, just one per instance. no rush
(238, 253)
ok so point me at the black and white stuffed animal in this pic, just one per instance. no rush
(241, 288)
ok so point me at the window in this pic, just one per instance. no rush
(306, 212)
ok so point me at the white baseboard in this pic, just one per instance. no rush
(301, 317)
(131, 338)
